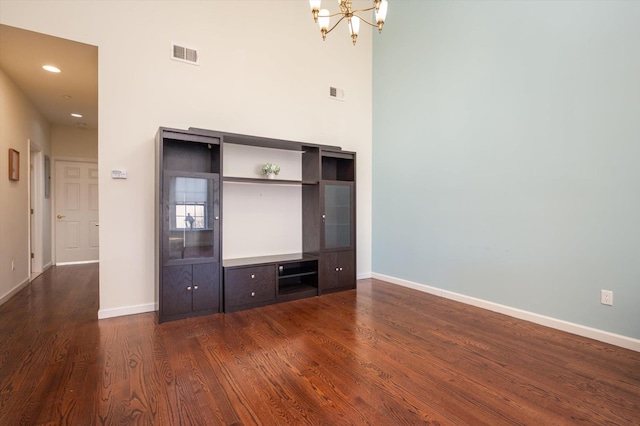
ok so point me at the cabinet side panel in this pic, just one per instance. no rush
(311, 164)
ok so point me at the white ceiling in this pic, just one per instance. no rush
(22, 55)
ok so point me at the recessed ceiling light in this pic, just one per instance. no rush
(66, 97)
(51, 68)
(76, 115)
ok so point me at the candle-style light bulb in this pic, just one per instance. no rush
(354, 28)
(323, 22)
(381, 14)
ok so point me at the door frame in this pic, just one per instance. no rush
(36, 202)
(54, 197)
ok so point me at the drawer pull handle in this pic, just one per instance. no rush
(337, 269)
(189, 288)
(253, 276)
(340, 269)
(195, 287)
(253, 293)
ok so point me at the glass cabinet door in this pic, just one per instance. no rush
(337, 216)
(191, 221)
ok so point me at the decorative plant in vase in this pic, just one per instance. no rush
(271, 170)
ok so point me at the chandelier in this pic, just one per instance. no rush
(322, 17)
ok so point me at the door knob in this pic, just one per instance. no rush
(60, 216)
(97, 224)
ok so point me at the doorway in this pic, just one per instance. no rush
(68, 100)
(76, 212)
(36, 210)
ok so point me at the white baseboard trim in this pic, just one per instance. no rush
(15, 290)
(363, 276)
(77, 263)
(47, 266)
(580, 330)
(127, 310)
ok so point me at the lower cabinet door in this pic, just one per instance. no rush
(337, 271)
(347, 261)
(176, 289)
(328, 270)
(206, 287)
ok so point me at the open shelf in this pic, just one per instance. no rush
(297, 279)
(297, 269)
(295, 292)
(265, 260)
(302, 274)
(295, 288)
(265, 181)
(338, 166)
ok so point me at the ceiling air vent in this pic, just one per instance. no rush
(185, 54)
(335, 93)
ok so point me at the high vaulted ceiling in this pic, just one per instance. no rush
(55, 95)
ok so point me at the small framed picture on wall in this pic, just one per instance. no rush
(14, 164)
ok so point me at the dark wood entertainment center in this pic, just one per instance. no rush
(193, 279)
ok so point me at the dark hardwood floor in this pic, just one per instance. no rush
(384, 355)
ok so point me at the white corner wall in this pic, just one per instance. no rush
(19, 123)
(74, 142)
(258, 76)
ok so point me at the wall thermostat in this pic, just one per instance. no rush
(118, 174)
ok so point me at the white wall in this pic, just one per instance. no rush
(20, 122)
(261, 220)
(74, 142)
(258, 76)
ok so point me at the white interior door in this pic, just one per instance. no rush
(76, 200)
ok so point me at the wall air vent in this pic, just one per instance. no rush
(335, 93)
(185, 54)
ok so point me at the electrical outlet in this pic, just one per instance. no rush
(606, 297)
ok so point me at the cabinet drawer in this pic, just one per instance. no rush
(249, 285)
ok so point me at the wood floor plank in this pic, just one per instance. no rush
(381, 355)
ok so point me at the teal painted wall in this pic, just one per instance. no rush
(506, 154)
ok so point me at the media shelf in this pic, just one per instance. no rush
(258, 281)
(191, 276)
(297, 279)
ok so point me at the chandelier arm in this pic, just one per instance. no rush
(336, 14)
(367, 22)
(362, 10)
(335, 25)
